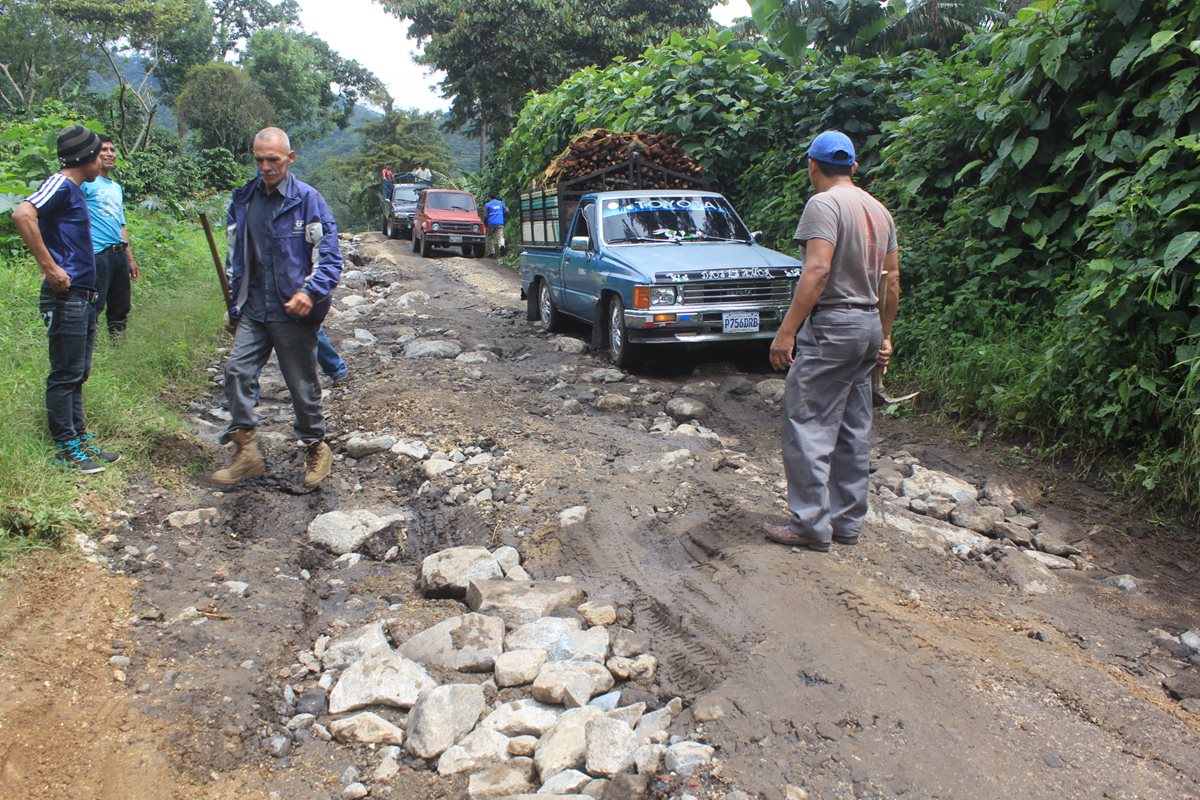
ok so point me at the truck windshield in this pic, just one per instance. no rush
(671, 219)
(450, 201)
(405, 194)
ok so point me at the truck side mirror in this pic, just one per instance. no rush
(757, 237)
(580, 243)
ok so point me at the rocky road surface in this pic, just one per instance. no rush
(998, 633)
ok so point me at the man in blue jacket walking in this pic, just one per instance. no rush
(284, 261)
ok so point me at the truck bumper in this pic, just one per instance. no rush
(699, 324)
(454, 239)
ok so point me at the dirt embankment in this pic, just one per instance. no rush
(903, 667)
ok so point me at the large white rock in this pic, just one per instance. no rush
(441, 716)
(519, 602)
(518, 667)
(521, 718)
(437, 466)
(611, 745)
(771, 389)
(497, 782)
(648, 758)
(652, 723)
(572, 516)
(482, 748)
(561, 638)
(569, 781)
(468, 643)
(923, 531)
(450, 571)
(686, 408)
(363, 446)
(380, 677)
(366, 728)
(432, 348)
(564, 746)
(684, 758)
(927, 481)
(342, 532)
(352, 645)
(598, 613)
(564, 683)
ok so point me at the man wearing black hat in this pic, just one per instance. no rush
(835, 332)
(55, 226)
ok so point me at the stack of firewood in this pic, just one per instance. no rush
(597, 149)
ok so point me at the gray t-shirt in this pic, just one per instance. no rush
(862, 233)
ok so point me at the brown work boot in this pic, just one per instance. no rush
(247, 458)
(785, 535)
(318, 460)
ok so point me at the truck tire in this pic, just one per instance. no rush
(389, 229)
(621, 351)
(383, 227)
(469, 251)
(551, 318)
(426, 250)
(416, 244)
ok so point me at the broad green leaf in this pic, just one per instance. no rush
(972, 165)
(1161, 39)
(1180, 248)
(998, 217)
(1126, 55)
(1023, 151)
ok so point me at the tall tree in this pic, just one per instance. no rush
(493, 52)
(223, 106)
(41, 55)
(298, 73)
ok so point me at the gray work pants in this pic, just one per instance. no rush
(827, 421)
(295, 346)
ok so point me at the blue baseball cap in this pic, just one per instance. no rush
(832, 147)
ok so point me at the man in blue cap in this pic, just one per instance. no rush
(839, 326)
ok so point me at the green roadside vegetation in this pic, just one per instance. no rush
(1044, 172)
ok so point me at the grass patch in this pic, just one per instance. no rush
(132, 397)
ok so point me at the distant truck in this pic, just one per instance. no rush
(649, 267)
(399, 210)
(447, 218)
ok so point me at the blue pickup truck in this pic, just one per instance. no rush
(650, 267)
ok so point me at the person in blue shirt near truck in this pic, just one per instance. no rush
(115, 264)
(55, 226)
(495, 215)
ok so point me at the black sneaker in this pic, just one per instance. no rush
(70, 454)
(90, 448)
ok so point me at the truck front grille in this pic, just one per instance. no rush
(457, 227)
(737, 292)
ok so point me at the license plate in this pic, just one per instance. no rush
(455, 240)
(739, 322)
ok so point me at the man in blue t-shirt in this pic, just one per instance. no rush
(115, 265)
(53, 222)
(495, 215)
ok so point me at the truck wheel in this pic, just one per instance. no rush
(621, 351)
(389, 229)
(468, 251)
(426, 250)
(479, 251)
(383, 226)
(550, 316)
(415, 242)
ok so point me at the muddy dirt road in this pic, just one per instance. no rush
(926, 662)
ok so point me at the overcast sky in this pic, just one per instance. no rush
(363, 31)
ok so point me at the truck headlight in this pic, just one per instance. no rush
(474, 229)
(437, 226)
(662, 295)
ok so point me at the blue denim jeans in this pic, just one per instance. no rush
(70, 321)
(331, 363)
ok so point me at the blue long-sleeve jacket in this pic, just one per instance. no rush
(306, 251)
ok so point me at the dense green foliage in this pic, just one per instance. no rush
(493, 52)
(1044, 179)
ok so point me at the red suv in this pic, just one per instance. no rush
(447, 218)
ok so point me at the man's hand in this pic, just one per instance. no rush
(58, 278)
(230, 324)
(885, 352)
(782, 348)
(299, 305)
(135, 271)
